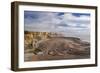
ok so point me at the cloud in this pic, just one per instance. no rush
(53, 19)
(74, 21)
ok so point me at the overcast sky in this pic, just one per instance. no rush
(71, 24)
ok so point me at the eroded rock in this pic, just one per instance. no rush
(62, 46)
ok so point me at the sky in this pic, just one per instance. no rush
(67, 23)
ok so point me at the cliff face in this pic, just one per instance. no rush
(42, 46)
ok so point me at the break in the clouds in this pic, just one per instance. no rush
(73, 24)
